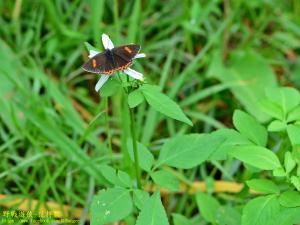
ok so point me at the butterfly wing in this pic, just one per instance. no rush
(98, 64)
(126, 52)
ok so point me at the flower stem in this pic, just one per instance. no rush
(107, 127)
(135, 150)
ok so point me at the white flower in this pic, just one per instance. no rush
(107, 44)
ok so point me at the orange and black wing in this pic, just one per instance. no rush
(99, 64)
(123, 55)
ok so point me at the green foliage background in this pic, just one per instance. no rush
(209, 56)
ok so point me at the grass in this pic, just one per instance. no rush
(50, 145)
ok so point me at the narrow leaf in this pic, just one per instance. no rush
(163, 104)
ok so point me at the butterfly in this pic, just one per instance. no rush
(112, 60)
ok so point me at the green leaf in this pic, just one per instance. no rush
(250, 128)
(166, 179)
(90, 47)
(188, 151)
(288, 216)
(153, 212)
(228, 215)
(179, 219)
(124, 179)
(256, 156)
(231, 138)
(208, 206)
(293, 133)
(146, 159)
(294, 114)
(277, 126)
(289, 162)
(163, 104)
(111, 87)
(135, 98)
(287, 98)
(279, 172)
(290, 199)
(261, 211)
(263, 186)
(271, 108)
(109, 174)
(296, 182)
(140, 197)
(111, 205)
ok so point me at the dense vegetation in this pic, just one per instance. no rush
(230, 68)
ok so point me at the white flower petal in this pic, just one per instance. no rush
(140, 55)
(101, 81)
(92, 53)
(107, 43)
(134, 74)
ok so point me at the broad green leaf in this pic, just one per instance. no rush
(110, 174)
(208, 206)
(261, 211)
(111, 87)
(288, 216)
(140, 197)
(228, 215)
(254, 74)
(153, 212)
(179, 219)
(290, 199)
(135, 98)
(163, 104)
(289, 162)
(250, 128)
(293, 132)
(294, 114)
(231, 138)
(256, 156)
(166, 179)
(263, 186)
(276, 126)
(188, 151)
(146, 159)
(111, 205)
(287, 98)
(271, 109)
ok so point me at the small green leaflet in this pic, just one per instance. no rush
(208, 206)
(166, 179)
(111, 205)
(188, 151)
(146, 159)
(163, 104)
(287, 98)
(256, 156)
(135, 98)
(263, 186)
(153, 212)
(250, 128)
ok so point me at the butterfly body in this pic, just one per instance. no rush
(112, 60)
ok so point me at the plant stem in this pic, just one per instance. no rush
(135, 150)
(107, 127)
